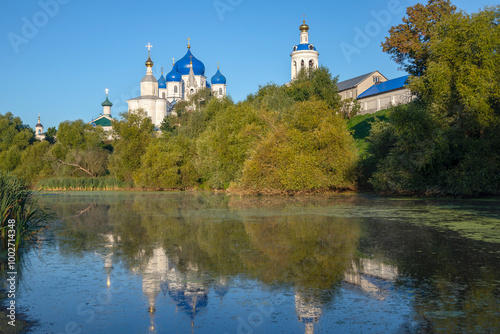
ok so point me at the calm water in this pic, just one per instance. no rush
(206, 263)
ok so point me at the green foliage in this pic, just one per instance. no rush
(82, 183)
(34, 164)
(168, 164)
(408, 43)
(19, 204)
(316, 84)
(310, 149)
(79, 150)
(462, 82)
(225, 145)
(14, 138)
(50, 135)
(133, 134)
(449, 141)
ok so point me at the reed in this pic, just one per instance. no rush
(82, 183)
(20, 204)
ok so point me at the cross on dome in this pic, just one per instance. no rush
(189, 43)
(149, 46)
(107, 91)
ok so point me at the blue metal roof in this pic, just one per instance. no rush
(183, 65)
(385, 86)
(302, 47)
(174, 76)
(162, 83)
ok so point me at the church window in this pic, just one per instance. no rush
(39, 131)
(295, 48)
(220, 91)
(376, 79)
(311, 47)
(163, 95)
(175, 89)
(311, 64)
(302, 64)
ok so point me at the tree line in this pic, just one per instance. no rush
(295, 138)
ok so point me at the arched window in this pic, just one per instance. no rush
(220, 91)
(294, 68)
(163, 95)
(39, 131)
(311, 64)
(175, 89)
(302, 64)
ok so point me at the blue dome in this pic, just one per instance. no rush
(162, 83)
(208, 85)
(218, 78)
(183, 65)
(174, 76)
(302, 47)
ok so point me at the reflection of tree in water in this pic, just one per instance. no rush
(453, 277)
(188, 244)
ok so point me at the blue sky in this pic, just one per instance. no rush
(58, 56)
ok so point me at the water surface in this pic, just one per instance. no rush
(206, 263)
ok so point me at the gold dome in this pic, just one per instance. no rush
(149, 62)
(304, 27)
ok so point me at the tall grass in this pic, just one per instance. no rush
(17, 202)
(82, 183)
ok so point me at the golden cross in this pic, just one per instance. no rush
(217, 65)
(173, 61)
(149, 46)
(189, 43)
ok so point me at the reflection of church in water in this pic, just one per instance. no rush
(189, 289)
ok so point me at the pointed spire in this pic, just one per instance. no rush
(39, 119)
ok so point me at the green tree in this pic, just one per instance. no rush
(308, 149)
(14, 138)
(408, 43)
(79, 150)
(168, 163)
(316, 84)
(133, 133)
(225, 145)
(51, 134)
(34, 164)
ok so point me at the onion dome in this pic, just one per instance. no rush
(174, 76)
(107, 103)
(218, 78)
(183, 65)
(162, 83)
(304, 27)
(149, 62)
(39, 125)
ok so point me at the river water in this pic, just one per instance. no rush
(126, 262)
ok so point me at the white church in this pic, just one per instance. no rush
(187, 77)
(158, 97)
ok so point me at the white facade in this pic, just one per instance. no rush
(39, 130)
(385, 100)
(304, 55)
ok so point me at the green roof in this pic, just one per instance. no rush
(107, 103)
(104, 121)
